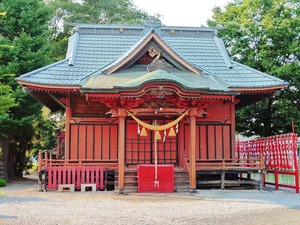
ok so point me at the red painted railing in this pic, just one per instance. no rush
(223, 164)
(278, 151)
(279, 155)
(77, 172)
(76, 175)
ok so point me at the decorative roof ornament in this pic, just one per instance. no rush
(152, 22)
(159, 63)
(153, 52)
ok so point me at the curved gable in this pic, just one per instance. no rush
(155, 47)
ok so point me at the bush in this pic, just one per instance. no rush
(2, 182)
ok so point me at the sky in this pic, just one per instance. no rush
(191, 13)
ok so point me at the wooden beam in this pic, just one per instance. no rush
(175, 111)
(121, 150)
(193, 113)
(56, 100)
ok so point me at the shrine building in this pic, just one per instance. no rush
(140, 99)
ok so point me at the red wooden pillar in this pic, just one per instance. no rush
(232, 112)
(40, 160)
(121, 150)
(182, 150)
(67, 127)
(58, 140)
(276, 179)
(193, 114)
(296, 167)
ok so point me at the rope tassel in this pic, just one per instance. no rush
(172, 132)
(143, 132)
(157, 135)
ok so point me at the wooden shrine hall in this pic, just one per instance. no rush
(147, 101)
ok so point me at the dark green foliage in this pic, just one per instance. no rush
(264, 34)
(2, 182)
(7, 101)
(26, 44)
(25, 28)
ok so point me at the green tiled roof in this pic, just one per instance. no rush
(186, 80)
(96, 47)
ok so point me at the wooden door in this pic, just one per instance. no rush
(141, 149)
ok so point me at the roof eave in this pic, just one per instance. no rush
(48, 87)
(259, 89)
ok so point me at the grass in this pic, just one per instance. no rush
(2, 182)
(282, 178)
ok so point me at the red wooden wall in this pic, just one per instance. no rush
(94, 141)
(213, 141)
(94, 135)
(214, 136)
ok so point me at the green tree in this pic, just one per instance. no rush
(46, 128)
(264, 34)
(7, 101)
(88, 11)
(25, 27)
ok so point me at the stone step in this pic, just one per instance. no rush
(182, 189)
(131, 189)
(181, 179)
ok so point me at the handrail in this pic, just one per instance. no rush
(64, 162)
(186, 164)
(229, 163)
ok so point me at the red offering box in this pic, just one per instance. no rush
(165, 178)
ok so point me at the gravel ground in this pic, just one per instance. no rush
(22, 204)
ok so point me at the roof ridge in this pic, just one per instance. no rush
(137, 26)
(72, 48)
(223, 51)
(90, 25)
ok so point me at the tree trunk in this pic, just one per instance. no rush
(4, 143)
(268, 118)
(11, 159)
